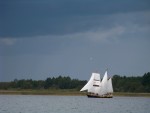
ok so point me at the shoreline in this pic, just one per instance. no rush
(64, 92)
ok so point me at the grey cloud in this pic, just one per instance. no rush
(7, 41)
(56, 17)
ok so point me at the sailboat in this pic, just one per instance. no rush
(97, 88)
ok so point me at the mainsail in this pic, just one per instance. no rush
(109, 86)
(94, 80)
(97, 88)
(104, 85)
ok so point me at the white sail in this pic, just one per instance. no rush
(94, 80)
(89, 84)
(104, 83)
(109, 86)
(96, 76)
(97, 89)
(96, 83)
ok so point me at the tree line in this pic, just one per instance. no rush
(132, 84)
(55, 82)
(120, 83)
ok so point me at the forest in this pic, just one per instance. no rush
(138, 84)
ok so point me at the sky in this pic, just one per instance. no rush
(40, 39)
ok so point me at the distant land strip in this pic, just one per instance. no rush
(64, 92)
(64, 85)
(42, 92)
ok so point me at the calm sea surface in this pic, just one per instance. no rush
(72, 104)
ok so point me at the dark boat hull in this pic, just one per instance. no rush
(99, 96)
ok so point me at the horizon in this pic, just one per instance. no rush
(56, 76)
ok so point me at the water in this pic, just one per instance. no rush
(72, 104)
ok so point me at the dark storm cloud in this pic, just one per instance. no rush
(73, 37)
(19, 18)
